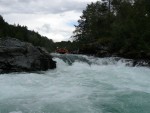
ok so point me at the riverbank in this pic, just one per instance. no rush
(139, 58)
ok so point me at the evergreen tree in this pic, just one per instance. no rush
(94, 23)
(123, 25)
(22, 33)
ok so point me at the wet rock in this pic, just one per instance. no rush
(17, 56)
(103, 53)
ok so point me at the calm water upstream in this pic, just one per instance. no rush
(80, 84)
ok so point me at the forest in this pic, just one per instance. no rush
(105, 28)
(22, 33)
(120, 27)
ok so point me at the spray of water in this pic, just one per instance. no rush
(80, 84)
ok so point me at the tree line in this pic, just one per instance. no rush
(22, 33)
(121, 25)
(118, 26)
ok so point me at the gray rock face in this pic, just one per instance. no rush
(17, 56)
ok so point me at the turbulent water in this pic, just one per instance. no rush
(80, 84)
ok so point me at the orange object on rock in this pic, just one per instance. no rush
(62, 51)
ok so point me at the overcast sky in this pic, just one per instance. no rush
(52, 18)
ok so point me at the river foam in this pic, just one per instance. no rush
(81, 84)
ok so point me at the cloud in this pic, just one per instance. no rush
(51, 18)
(45, 28)
(41, 6)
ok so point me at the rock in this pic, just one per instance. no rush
(17, 56)
(89, 49)
(95, 49)
(103, 53)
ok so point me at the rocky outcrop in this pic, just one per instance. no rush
(17, 56)
(95, 50)
(139, 58)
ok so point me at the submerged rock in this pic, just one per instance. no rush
(17, 56)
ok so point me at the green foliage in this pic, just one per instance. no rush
(93, 23)
(22, 33)
(121, 25)
(71, 46)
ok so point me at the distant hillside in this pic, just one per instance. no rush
(22, 33)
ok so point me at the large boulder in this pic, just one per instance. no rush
(17, 56)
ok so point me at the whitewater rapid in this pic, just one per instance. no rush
(80, 84)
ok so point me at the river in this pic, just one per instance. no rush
(80, 84)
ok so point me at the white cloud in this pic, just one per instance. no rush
(53, 19)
